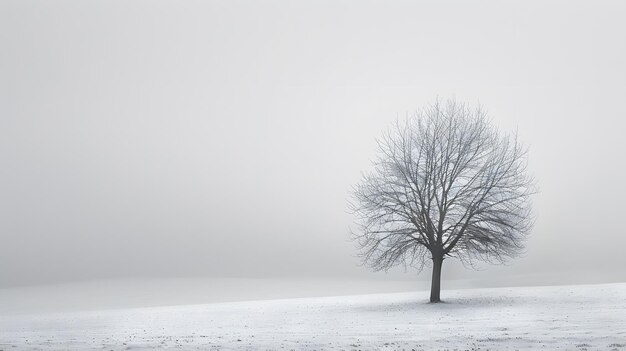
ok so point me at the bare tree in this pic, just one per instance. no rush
(446, 183)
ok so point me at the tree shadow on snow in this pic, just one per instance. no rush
(456, 303)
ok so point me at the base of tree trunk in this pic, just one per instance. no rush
(435, 286)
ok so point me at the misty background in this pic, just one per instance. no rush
(177, 139)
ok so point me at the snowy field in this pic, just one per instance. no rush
(584, 317)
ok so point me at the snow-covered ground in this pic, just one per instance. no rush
(583, 317)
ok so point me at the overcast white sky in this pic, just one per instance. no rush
(220, 138)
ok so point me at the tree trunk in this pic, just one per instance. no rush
(435, 285)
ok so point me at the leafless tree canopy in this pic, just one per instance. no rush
(445, 184)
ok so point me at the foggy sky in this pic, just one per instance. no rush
(220, 138)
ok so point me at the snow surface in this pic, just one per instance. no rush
(583, 317)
